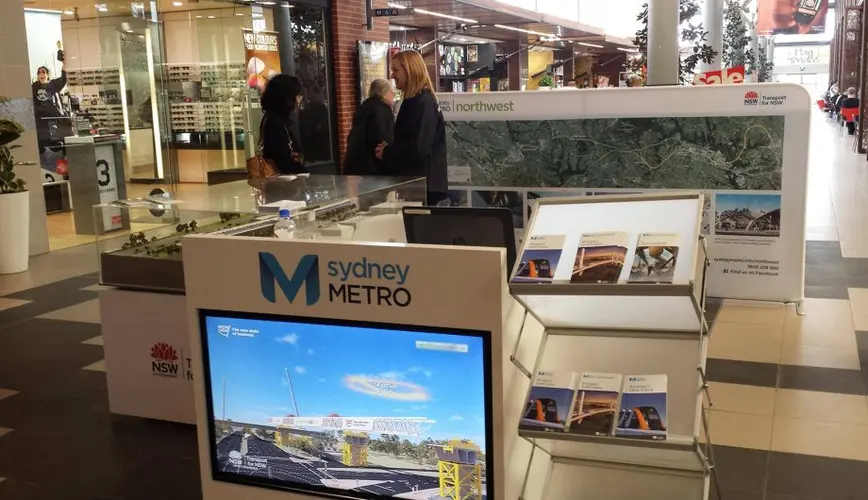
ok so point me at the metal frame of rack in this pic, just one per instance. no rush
(682, 455)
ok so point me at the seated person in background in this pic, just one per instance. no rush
(850, 101)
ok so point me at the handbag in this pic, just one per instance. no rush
(259, 169)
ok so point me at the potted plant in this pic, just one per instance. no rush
(546, 82)
(14, 203)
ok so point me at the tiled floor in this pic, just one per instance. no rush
(790, 393)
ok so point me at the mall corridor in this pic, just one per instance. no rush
(789, 422)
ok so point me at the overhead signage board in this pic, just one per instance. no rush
(392, 12)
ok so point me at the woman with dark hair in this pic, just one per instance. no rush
(280, 144)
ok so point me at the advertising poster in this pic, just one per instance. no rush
(373, 64)
(797, 17)
(721, 76)
(261, 56)
(743, 146)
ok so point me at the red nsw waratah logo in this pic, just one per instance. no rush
(164, 352)
(751, 94)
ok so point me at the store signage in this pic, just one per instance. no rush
(801, 54)
(448, 106)
(392, 12)
(342, 286)
(262, 57)
(726, 75)
(107, 183)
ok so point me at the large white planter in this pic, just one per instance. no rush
(14, 232)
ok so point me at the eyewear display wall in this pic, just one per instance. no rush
(172, 81)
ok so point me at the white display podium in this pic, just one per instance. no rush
(622, 328)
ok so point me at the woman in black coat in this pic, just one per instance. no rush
(373, 124)
(280, 143)
(419, 148)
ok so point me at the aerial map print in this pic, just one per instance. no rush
(720, 152)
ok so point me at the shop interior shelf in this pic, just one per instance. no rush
(675, 452)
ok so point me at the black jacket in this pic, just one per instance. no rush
(45, 97)
(279, 142)
(419, 148)
(374, 123)
(849, 102)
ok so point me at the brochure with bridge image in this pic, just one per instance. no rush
(540, 259)
(643, 407)
(655, 258)
(596, 404)
(600, 257)
(550, 400)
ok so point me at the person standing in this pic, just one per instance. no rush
(373, 124)
(52, 126)
(419, 148)
(280, 144)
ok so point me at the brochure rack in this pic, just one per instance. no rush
(626, 328)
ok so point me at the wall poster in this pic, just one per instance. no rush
(261, 56)
(373, 64)
(797, 17)
(744, 146)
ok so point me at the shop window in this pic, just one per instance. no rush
(311, 58)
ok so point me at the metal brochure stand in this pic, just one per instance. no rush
(627, 328)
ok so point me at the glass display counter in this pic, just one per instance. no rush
(149, 255)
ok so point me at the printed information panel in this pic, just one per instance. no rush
(745, 147)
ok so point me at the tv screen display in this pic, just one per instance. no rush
(348, 409)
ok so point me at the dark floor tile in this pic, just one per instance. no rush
(816, 477)
(857, 272)
(15, 489)
(812, 378)
(862, 346)
(775, 496)
(819, 252)
(742, 372)
(181, 475)
(740, 469)
(735, 495)
(48, 298)
(826, 292)
(832, 274)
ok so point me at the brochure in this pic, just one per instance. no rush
(655, 258)
(596, 404)
(600, 257)
(540, 259)
(548, 405)
(643, 407)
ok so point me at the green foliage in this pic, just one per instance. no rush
(694, 35)
(546, 81)
(736, 42)
(10, 131)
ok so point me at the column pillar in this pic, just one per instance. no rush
(663, 20)
(712, 21)
(15, 80)
(283, 26)
(348, 28)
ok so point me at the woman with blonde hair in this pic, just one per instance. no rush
(373, 124)
(419, 147)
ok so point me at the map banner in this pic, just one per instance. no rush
(745, 146)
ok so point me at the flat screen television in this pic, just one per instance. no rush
(348, 409)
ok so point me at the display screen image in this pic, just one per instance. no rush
(355, 410)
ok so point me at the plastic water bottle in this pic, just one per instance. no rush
(284, 228)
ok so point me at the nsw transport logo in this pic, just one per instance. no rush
(751, 98)
(164, 360)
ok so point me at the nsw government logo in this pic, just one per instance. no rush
(166, 362)
(751, 98)
(224, 330)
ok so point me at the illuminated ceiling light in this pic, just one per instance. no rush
(590, 45)
(178, 4)
(198, 17)
(268, 2)
(69, 12)
(101, 7)
(628, 50)
(435, 14)
(212, 17)
(239, 14)
(521, 30)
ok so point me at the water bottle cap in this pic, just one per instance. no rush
(284, 212)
